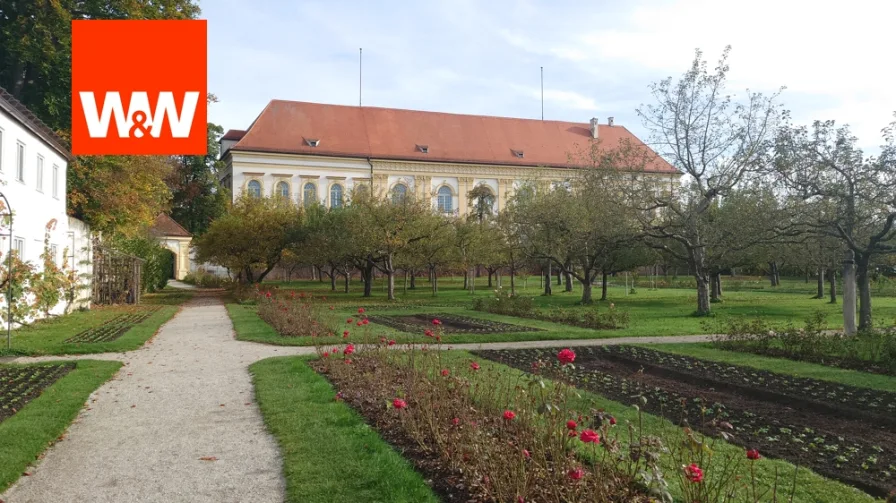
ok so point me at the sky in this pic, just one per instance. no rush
(599, 57)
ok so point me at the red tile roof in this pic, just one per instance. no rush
(166, 226)
(233, 134)
(389, 133)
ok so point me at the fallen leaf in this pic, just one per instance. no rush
(208, 458)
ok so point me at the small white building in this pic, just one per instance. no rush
(33, 167)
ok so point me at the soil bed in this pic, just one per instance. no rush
(112, 329)
(451, 324)
(20, 385)
(853, 448)
(858, 364)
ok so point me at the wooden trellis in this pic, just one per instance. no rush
(117, 276)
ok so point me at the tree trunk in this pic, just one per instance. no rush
(863, 283)
(413, 280)
(603, 285)
(807, 276)
(512, 280)
(568, 282)
(332, 279)
(466, 279)
(832, 277)
(433, 280)
(547, 279)
(367, 273)
(820, 292)
(773, 273)
(715, 291)
(559, 278)
(472, 283)
(348, 276)
(390, 277)
(703, 280)
(490, 279)
(586, 288)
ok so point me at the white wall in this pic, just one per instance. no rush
(33, 206)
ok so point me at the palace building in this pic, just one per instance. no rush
(312, 152)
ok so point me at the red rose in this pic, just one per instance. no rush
(612, 421)
(445, 372)
(349, 349)
(392, 342)
(693, 473)
(358, 323)
(349, 320)
(345, 334)
(455, 421)
(348, 361)
(509, 415)
(753, 455)
(436, 322)
(589, 437)
(571, 425)
(566, 356)
(364, 322)
(474, 366)
(360, 310)
(428, 333)
(527, 454)
(332, 308)
(268, 295)
(398, 403)
(576, 474)
(326, 354)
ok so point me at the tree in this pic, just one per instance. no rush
(197, 197)
(844, 194)
(717, 143)
(250, 239)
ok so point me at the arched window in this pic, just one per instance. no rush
(399, 193)
(254, 188)
(309, 192)
(445, 200)
(336, 196)
(283, 190)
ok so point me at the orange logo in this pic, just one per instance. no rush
(139, 87)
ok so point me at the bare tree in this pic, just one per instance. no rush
(717, 142)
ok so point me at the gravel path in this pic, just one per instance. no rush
(186, 395)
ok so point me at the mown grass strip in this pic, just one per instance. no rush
(780, 365)
(329, 453)
(31, 430)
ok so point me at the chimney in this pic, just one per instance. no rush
(610, 121)
(594, 122)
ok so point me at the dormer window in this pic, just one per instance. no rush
(312, 142)
(423, 148)
(517, 153)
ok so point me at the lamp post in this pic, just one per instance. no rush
(8, 210)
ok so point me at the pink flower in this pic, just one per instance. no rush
(527, 454)
(693, 473)
(753, 455)
(326, 354)
(612, 421)
(349, 349)
(509, 415)
(566, 356)
(474, 366)
(348, 361)
(358, 323)
(436, 322)
(398, 403)
(428, 333)
(349, 321)
(392, 342)
(571, 425)
(445, 372)
(589, 437)
(575, 474)
(339, 396)
(365, 321)
(455, 421)
(268, 295)
(345, 334)
(360, 310)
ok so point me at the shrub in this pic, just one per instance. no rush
(158, 260)
(294, 315)
(205, 279)
(523, 307)
(505, 303)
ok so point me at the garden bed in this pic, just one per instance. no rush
(451, 324)
(112, 329)
(21, 384)
(825, 426)
(847, 363)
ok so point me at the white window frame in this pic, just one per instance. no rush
(20, 162)
(341, 199)
(249, 188)
(40, 173)
(54, 252)
(56, 181)
(278, 185)
(18, 246)
(450, 199)
(311, 199)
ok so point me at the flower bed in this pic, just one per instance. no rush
(20, 385)
(522, 307)
(295, 314)
(451, 324)
(873, 351)
(749, 407)
(112, 329)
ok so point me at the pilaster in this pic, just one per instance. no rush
(464, 186)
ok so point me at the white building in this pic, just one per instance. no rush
(33, 167)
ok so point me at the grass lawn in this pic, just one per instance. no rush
(658, 312)
(781, 365)
(46, 337)
(811, 487)
(329, 453)
(28, 432)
